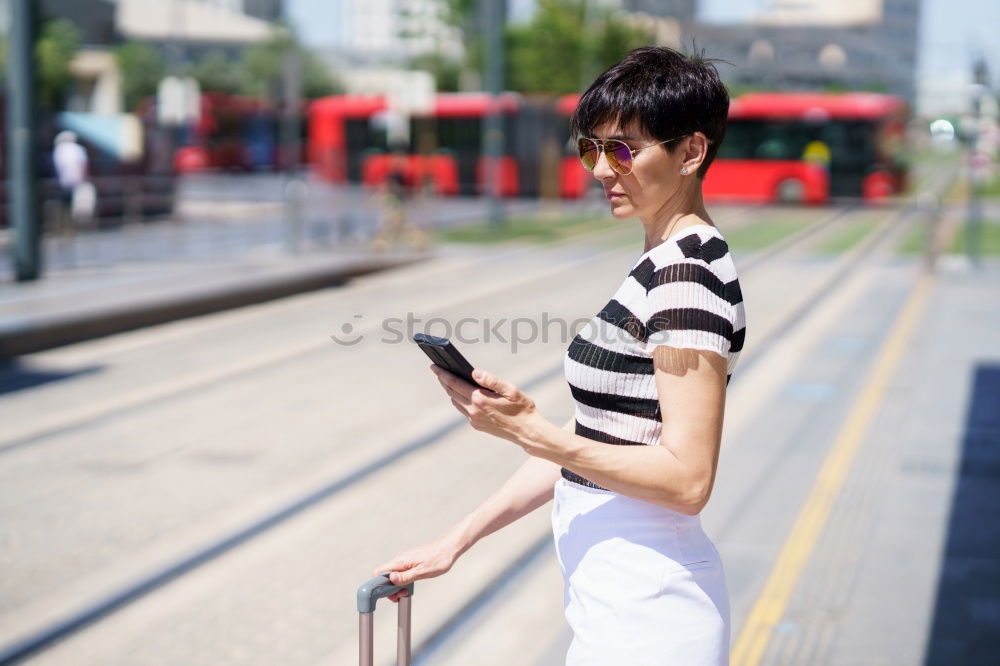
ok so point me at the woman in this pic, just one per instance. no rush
(633, 469)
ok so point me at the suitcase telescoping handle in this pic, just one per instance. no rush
(368, 594)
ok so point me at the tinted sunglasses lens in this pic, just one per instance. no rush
(619, 156)
(588, 153)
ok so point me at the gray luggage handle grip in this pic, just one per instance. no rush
(377, 588)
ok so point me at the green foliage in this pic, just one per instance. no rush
(264, 62)
(764, 233)
(566, 45)
(875, 86)
(989, 238)
(217, 73)
(736, 89)
(57, 43)
(446, 72)
(530, 229)
(317, 81)
(260, 67)
(459, 13)
(836, 87)
(142, 66)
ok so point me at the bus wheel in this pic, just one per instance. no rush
(791, 191)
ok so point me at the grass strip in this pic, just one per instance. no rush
(530, 229)
(989, 239)
(764, 233)
(849, 233)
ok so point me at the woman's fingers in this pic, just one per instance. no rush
(497, 386)
(393, 568)
(453, 383)
(391, 565)
(458, 396)
(460, 407)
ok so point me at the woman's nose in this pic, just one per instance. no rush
(603, 170)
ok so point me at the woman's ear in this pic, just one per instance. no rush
(697, 150)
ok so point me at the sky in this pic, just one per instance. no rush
(951, 31)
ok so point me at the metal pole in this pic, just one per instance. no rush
(493, 13)
(586, 49)
(974, 217)
(291, 147)
(22, 204)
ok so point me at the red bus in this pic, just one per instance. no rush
(797, 148)
(790, 147)
(348, 142)
(234, 133)
(807, 147)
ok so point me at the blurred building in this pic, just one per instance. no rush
(192, 27)
(97, 81)
(377, 33)
(817, 44)
(185, 28)
(679, 10)
(266, 10)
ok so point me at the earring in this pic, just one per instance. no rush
(684, 171)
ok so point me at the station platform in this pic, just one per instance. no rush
(854, 505)
(74, 304)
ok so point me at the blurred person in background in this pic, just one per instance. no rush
(77, 195)
(394, 223)
(631, 472)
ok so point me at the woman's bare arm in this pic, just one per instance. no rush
(527, 489)
(680, 472)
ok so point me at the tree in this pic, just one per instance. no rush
(260, 67)
(142, 67)
(265, 63)
(566, 44)
(58, 41)
(446, 73)
(217, 73)
(737, 88)
(463, 15)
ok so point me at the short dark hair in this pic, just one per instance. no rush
(670, 94)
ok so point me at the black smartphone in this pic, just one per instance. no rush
(444, 354)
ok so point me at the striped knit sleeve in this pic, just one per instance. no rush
(689, 306)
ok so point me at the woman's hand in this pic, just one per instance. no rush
(499, 409)
(426, 561)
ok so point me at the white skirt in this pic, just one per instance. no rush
(643, 585)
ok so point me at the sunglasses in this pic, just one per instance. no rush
(619, 155)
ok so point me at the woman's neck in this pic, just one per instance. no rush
(674, 216)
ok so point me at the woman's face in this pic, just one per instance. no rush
(655, 178)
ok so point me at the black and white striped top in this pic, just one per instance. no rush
(683, 293)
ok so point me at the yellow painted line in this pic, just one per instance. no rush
(773, 599)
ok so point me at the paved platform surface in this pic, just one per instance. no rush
(233, 241)
(71, 305)
(122, 454)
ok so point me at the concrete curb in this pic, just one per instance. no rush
(39, 332)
